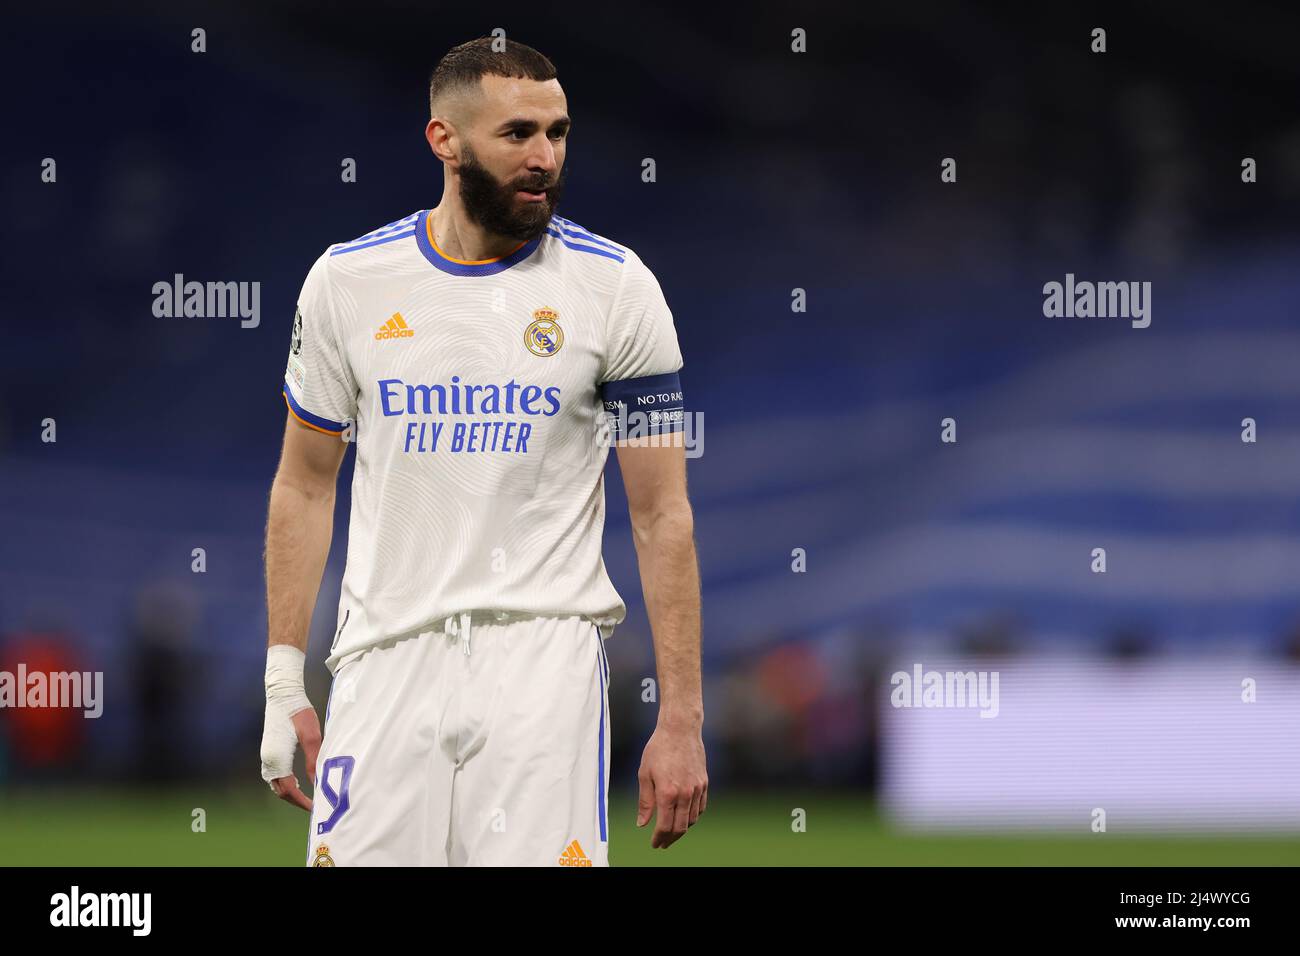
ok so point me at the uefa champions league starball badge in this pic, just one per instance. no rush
(544, 337)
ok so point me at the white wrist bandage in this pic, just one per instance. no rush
(285, 696)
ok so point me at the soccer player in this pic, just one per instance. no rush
(483, 355)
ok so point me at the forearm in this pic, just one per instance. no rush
(299, 526)
(670, 581)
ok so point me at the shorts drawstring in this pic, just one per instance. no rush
(459, 629)
(457, 626)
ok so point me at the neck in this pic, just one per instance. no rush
(459, 237)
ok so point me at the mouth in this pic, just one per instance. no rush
(532, 195)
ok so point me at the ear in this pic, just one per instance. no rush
(439, 133)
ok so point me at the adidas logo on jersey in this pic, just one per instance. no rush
(395, 328)
(573, 856)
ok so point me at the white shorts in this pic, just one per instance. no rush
(484, 742)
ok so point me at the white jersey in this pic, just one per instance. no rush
(476, 393)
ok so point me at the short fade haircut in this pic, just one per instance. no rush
(465, 65)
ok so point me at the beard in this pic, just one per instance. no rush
(496, 207)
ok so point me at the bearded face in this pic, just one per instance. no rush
(518, 208)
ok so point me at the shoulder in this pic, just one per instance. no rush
(353, 264)
(368, 256)
(383, 239)
(607, 265)
(588, 245)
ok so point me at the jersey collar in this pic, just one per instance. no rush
(467, 267)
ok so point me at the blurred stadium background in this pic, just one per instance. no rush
(775, 171)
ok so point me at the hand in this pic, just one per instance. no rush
(290, 720)
(674, 784)
(303, 728)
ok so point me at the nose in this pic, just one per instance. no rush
(543, 159)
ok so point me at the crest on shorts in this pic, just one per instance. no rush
(544, 337)
(323, 857)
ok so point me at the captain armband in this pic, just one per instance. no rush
(650, 405)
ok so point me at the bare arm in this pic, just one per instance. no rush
(673, 778)
(299, 525)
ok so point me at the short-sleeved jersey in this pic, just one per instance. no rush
(480, 396)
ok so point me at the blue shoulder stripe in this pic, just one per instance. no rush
(579, 247)
(570, 228)
(393, 230)
(354, 246)
(390, 227)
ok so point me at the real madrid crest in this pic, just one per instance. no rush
(323, 857)
(544, 337)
